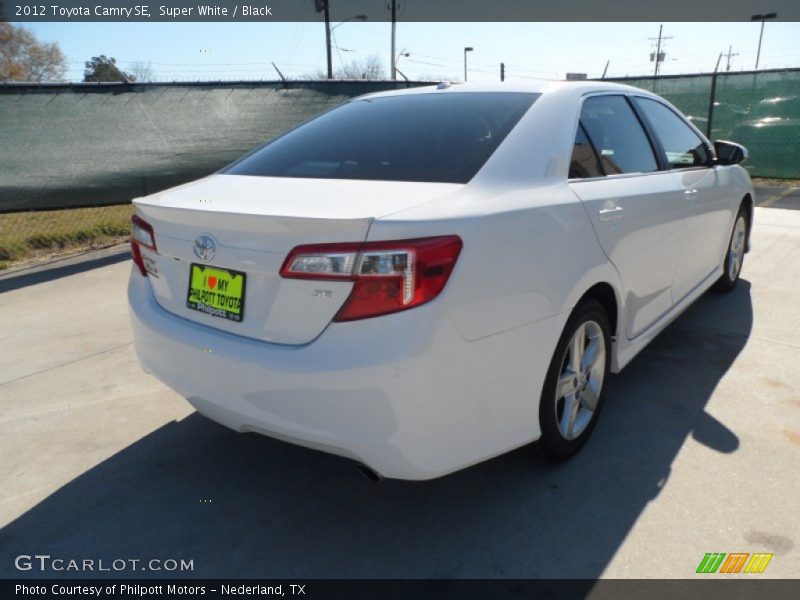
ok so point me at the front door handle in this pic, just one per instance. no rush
(690, 193)
(608, 214)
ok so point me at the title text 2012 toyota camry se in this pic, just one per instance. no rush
(423, 279)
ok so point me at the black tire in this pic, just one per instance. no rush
(553, 445)
(727, 281)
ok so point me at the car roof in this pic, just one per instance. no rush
(561, 88)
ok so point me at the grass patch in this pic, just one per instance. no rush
(26, 236)
(776, 182)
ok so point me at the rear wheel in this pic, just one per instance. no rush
(572, 395)
(734, 257)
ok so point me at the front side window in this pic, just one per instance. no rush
(433, 137)
(617, 135)
(683, 147)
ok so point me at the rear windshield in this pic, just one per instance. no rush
(436, 137)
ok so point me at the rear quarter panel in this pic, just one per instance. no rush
(529, 254)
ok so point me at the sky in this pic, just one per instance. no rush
(244, 51)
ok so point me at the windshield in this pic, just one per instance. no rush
(435, 137)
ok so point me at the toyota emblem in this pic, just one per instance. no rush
(205, 247)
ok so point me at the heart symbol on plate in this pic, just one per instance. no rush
(212, 282)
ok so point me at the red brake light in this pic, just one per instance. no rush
(141, 235)
(388, 276)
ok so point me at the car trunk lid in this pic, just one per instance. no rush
(253, 223)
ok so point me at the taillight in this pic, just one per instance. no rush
(141, 235)
(387, 276)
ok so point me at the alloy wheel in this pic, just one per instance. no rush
(580, 381)
(736, 250)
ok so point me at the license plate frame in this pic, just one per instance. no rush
(217, 306)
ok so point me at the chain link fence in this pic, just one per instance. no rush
(74, 146)
(31, 235)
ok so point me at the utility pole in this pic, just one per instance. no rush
(502, 71)
(323, 6)
(729, 55)
(608, 62)
(763, 19)
(467, 49)
(658, 57)
(328, 37)
(394, 27)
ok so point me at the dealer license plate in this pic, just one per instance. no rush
(216, 292)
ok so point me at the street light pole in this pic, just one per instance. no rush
(324, 6)
(467, 49)
(348, 19)
(398, 57)
(397, 60)
(761, 18)
(329, 33)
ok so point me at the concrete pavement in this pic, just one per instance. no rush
(697, 451)
(773, 196)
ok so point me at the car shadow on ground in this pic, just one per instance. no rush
(248, 506)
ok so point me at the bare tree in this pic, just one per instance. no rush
(318, 74)
(142, 71)
(24, 58)
(368, 68)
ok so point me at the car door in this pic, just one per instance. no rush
(701, 198)
(618, 176)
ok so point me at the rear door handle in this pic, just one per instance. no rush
(690, 193)
(608, 214)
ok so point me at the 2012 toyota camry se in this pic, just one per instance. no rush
(423, 279)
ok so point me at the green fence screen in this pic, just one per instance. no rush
(760, 110)
(84, 144)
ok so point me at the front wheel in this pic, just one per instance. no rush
(572, 395)
(734, 257)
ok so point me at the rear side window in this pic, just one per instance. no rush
(584, 161)
(683, 147)
(433, 137)
(617, 135)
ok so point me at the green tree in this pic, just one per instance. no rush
(103, 68)
(24, 58)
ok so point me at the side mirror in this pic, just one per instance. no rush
(729, 153)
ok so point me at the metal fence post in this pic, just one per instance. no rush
(711, 101)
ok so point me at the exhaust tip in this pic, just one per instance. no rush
(369, 473)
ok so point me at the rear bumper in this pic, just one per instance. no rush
(405, 394)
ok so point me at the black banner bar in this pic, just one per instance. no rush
(378, 11)
(709, 587)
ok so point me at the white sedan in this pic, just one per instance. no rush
(423, 279)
